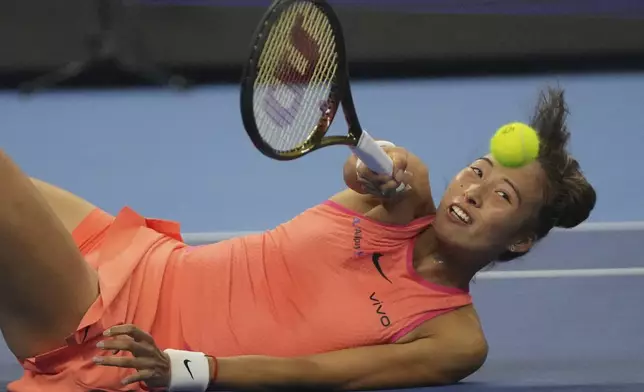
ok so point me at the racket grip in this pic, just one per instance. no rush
(371, 154)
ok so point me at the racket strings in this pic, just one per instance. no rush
(296, 70)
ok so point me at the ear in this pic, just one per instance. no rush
(521, 246)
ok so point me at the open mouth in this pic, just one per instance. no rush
(459, 214)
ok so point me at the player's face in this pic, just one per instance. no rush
(486, 205)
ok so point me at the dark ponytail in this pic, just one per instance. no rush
(569, 197)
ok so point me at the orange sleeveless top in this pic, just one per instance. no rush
(326, 280)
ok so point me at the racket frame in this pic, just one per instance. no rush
(340, 90)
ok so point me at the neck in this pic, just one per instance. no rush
(447, 265)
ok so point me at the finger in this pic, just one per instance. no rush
(399, 159)
(389, 186)
(130, 330)
(364, 172)
(405, 177)
(126, 362)
(373, 178)
(402, 178)
(122, 343)
(369, 187)
(367, 182)
(141, 376)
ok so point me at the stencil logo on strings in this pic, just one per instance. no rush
(292, 82)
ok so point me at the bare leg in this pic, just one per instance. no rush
(45, 285)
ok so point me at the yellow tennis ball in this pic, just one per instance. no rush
(515, 144)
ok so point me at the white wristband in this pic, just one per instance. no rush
(381, 143)
(189, 371)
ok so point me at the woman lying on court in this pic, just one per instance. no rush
(360, 292)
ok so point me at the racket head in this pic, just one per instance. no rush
(295, 79)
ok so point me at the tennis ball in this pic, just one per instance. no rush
(515, 144)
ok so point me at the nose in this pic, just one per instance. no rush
(472, 195)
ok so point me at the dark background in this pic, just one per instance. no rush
(207, 41)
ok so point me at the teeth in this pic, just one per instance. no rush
(460, 214)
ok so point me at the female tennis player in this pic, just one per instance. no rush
(361, 292)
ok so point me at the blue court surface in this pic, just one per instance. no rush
(567, 318)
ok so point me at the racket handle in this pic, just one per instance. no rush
(371, 154)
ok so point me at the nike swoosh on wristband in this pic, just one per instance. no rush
(186, 362)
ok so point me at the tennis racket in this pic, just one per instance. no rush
(294, 82)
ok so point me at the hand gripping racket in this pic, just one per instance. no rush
(294, 81)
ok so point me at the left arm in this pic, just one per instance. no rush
(424, 362)
(443, 357)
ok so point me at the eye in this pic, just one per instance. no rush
(505, 196)
(477, 171)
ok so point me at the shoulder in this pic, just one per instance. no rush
(451, 347)
(461, 334)
(461, 328)
(463, 320)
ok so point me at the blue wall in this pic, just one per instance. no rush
(185, 156)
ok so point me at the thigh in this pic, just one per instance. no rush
(46, 286)
(69, 208)
(42, 306)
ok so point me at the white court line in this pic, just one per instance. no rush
(203, 238)
(562, 273)
(206, 238)
(607, 226)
